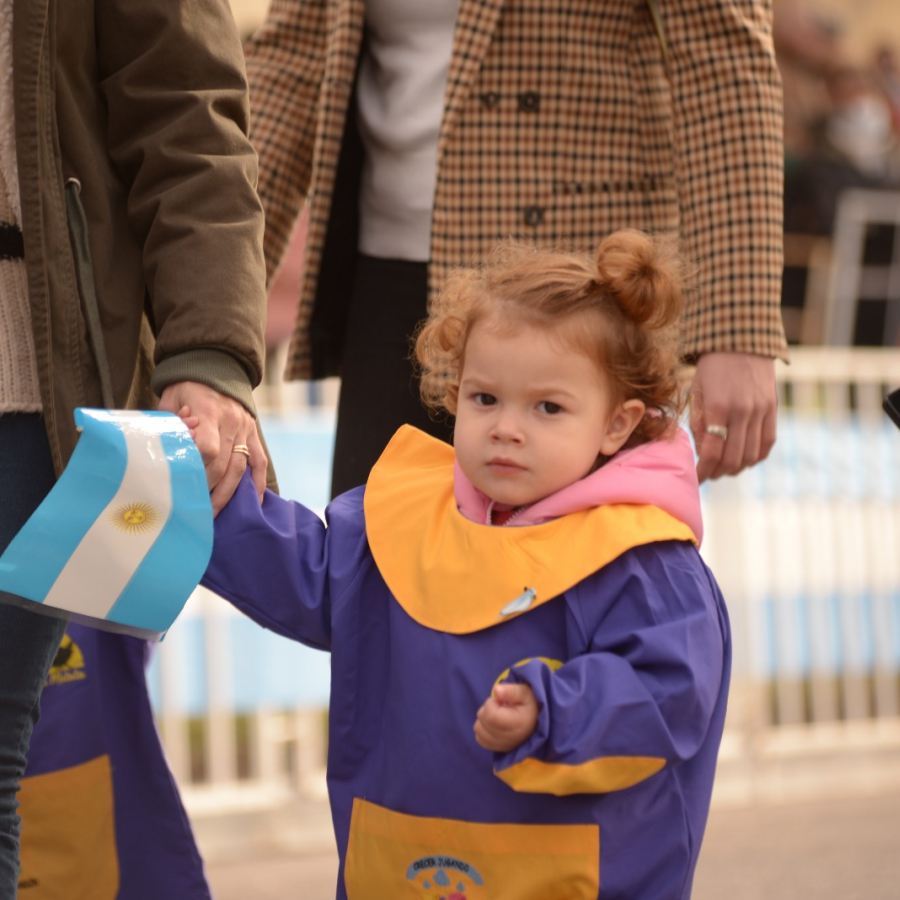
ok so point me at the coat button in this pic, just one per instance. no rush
(529, 101)
(490, 99)
(534, 215)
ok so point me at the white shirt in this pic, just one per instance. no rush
(400, 106)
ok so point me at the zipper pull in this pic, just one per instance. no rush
(520, 604)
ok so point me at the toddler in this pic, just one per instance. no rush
(530, 660)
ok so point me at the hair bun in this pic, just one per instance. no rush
(643, 274)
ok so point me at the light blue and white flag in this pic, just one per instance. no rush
(126, 533)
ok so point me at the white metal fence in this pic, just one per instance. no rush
(806, 548)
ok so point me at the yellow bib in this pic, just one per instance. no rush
(457, 576)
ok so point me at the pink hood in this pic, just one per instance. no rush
(662, 473)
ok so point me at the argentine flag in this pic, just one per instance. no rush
(126, 533)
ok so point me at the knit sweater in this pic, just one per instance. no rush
(19, 386)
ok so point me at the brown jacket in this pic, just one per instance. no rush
(141, 223)
(560, 124)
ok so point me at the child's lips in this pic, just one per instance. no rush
(503, 466)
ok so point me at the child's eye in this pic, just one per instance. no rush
(484, 399)
(550, 408)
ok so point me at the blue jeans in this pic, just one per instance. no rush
(28, 640)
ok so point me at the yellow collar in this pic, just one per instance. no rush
(456, 576)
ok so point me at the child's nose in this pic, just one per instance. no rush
(507, 427)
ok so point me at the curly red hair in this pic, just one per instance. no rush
(620, 307)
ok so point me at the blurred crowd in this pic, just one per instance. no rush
(842, 117)
(841, 130)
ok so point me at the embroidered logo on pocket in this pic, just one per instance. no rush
(445, 878)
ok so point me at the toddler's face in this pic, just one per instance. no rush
(533, 414)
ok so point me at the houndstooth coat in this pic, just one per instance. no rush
(562, 121)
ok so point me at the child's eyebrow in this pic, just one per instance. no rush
(537, 392)
(551, 391)
(476, 378)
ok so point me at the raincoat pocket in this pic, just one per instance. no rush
(395, 855)
(67, 816)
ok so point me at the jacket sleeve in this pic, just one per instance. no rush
(285, 65)
(275, 563)
(727, 118)
(643, 694)
(173, 79)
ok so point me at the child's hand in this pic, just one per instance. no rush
(507, 718)
(190, 421)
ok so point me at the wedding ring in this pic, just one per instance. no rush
(241, 448)
(718, 430)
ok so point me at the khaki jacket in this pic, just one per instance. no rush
(141, 222)
(562, 121)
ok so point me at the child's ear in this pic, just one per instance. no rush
(621, 424)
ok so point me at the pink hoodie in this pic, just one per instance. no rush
(662, 473)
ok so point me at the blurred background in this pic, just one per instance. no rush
(806, 548)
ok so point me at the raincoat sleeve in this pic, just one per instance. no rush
(277, 563)
(642, 695)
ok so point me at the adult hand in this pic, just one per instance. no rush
(733, 412)
(220, 425)
(507, 718)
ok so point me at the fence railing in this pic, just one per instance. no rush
(805, 546)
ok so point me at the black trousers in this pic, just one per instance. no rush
(379, 390)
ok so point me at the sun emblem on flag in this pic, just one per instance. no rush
(136, 518)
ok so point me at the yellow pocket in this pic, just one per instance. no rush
(68, 834)
(394, 855)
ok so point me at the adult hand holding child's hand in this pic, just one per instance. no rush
(507, 718)
(219, 426)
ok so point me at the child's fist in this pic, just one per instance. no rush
(189, 420)
(507, 718)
